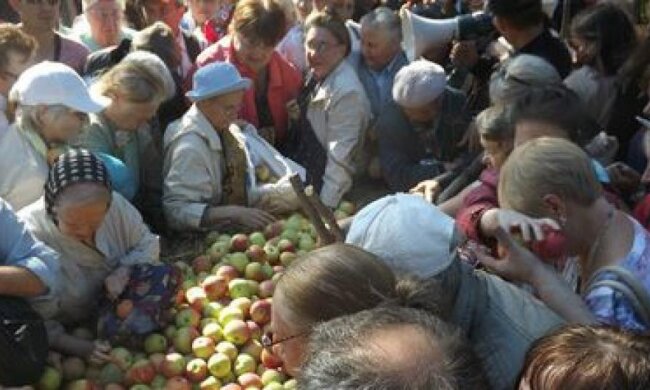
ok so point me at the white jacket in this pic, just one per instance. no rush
(193, 170)
(340, 114)
(23, 171)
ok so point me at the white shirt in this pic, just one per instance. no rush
(24, 170)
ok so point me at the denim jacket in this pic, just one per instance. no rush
(501, 321)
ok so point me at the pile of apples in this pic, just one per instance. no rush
(220, 314)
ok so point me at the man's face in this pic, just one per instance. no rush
(378, 47)
(37, 14)
(422, 116)
(16, 65)
(166, 11)
(105, 20)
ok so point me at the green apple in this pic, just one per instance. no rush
(228, 314)
(271, 376)
(244, 363)
(203, 347)
(346, 207)
(272, 253)
(289, 234)
(212, 310)
(306, 243)
(242, 303)
(111, 373)
(213, 331)
(219, 365)
(50, 380)
(237, 332)
(239, 260)
(291, 384)
(155, 342)
(294, 222)
(218, 250)
(158, 383)
(257, 238)
(227, 348)
(273, 386)
(240, 288)
(210, 383)
(286, 258)
(211, 238)
(122, 357)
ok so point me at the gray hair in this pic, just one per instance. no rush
(26, 116)
(81, 194)
(518, 75)
(383, 18)
(494, 123)
(349, 352)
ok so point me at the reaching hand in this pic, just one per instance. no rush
(429, 189)
(531, 229)
(117, 281)
(518, 264)
(100, 353)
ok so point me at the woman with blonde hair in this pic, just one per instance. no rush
(553, 179)
(127, 129)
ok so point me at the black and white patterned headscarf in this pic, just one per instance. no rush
(73, 167)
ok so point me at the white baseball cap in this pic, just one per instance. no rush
(51, 83)
(419, 83)
(405, 232)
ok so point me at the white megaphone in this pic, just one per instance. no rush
(420, 34)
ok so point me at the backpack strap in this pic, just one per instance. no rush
(628, 285)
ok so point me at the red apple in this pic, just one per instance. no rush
(227, 272)
(269, 359)
(286, 245)
(239, 242)
(201, 264)
(237, 332)
(196, 370)
(215, 287)
(256, 331)
(250, 379)
(157, 359)
(141, 372)
(260, 311)
(196, 297)
(256, 253)
(273, 230)
(203, 347)
(178, 383)
(266, 289)
(173, 365)
(272, 254)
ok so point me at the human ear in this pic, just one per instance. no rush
(555, 207)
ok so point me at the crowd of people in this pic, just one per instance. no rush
(501, 179)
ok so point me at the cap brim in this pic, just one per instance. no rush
(91, 104)
(195, 96)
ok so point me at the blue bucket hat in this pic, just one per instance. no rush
(216, 79)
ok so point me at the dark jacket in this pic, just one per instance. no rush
(402, 150)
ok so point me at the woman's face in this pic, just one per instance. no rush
(495, 153)
(324, 52)
(61, 126)
(129, 115)
(292, 350)
(255, 55)
(82, 222)
(105, 20)
(222, 110)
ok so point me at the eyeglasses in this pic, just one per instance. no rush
(267, 339)
(320, 46)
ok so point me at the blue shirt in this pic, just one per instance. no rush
(18, 248)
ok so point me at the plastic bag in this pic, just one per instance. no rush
(277, 196)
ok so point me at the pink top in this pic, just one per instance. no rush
(72, 53)
(284, 84)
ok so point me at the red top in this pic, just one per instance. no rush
(475, 203)
(284, 84)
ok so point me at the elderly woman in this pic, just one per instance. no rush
(103, 25)
(334, 111)
(204, 171)
(126, 129)
(553, 179)
(101, 240)
(257, 27)
(52, 102)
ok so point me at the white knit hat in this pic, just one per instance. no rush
(419, 83)
(407, 233)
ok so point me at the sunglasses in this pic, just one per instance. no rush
(267, 339)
